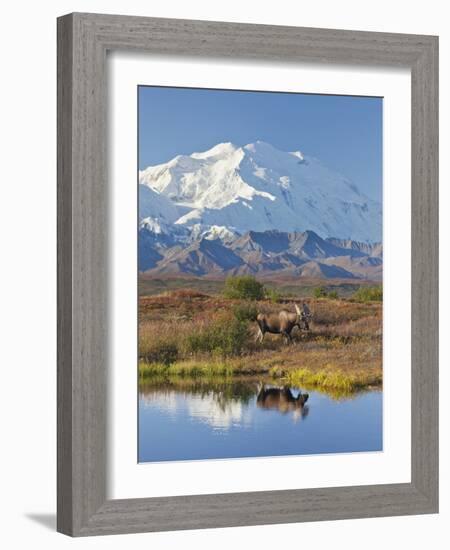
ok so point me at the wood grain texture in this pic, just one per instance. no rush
(425, 272)
(82, 261)
(83, 41)
(64, 251)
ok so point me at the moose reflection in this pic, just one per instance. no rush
(283, 400)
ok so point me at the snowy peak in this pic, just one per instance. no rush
(220, 150)
(260, 188)
(268, 154)
(261, 148)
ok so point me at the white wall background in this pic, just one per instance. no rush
(28, 271)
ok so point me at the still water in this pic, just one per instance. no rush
(190, 420)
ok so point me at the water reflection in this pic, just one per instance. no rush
(222, 403)
(184, 418)
(219, 403)
(282, 399)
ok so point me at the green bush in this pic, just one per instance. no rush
(245, 311)
(224, 336)
(319, 292)
(368, 294)
(243, 287)
(273, 295)
(161, 352)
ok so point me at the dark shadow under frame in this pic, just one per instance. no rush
(83, 41)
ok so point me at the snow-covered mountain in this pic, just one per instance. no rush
(231, 190)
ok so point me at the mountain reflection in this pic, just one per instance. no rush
(222, 403)
(219, 403)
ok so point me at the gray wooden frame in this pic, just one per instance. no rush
(83, 41)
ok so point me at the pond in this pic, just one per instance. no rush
(189, 419)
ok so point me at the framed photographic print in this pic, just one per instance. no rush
(247, 274)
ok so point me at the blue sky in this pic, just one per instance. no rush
(344, 132)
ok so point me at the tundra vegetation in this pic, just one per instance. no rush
(244, 287)
(187, 332)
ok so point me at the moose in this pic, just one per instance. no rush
(283, 322)
(282, 399)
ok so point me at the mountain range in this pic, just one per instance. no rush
(262, 253)
(257, 210)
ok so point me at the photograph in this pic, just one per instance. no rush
(260, 274)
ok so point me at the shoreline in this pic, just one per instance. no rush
(321, 379)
